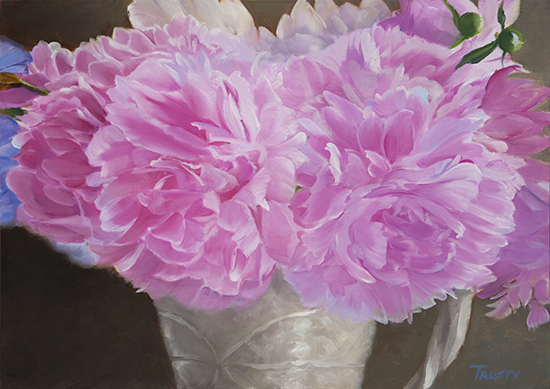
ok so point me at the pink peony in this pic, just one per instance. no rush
(401, 204)
(522, 269)
(163, 149)
(512, 129)
(514, 126)
(51, 181)
(173, 151)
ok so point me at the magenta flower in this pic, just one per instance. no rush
(163, 149)
(401, 204)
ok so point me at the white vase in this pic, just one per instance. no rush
(274, 343)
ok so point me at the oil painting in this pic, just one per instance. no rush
(275, 194)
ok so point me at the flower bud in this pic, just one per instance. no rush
(470, 24)
(510, 40)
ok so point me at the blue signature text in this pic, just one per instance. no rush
(483, 373)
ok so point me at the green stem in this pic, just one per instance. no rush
(458, 41)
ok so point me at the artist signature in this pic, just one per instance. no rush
(485, 373)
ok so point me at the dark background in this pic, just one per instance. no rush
(63, 326)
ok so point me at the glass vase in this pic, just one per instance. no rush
(274, 343)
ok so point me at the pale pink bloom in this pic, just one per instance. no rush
(400, 204)
(522, 269)
(514, 128)
(192, 163)
(164, 149)
(308, 29)
(378, 60)
(51, 181)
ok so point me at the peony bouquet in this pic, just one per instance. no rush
(380, 160)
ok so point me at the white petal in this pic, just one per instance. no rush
(326, 8)
(334, 161)
(227, 14)
(285, 28)
(306, 19)
(148, 13)
(511, 10)
(236, 16)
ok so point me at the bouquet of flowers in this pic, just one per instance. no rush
(380, 160)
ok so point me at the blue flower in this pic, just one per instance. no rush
(14, 58)
(8, 200)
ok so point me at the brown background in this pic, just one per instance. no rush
(67, 327)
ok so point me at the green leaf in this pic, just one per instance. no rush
(456, 16)
(500, 16)
(12, 112)
(478, 55)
